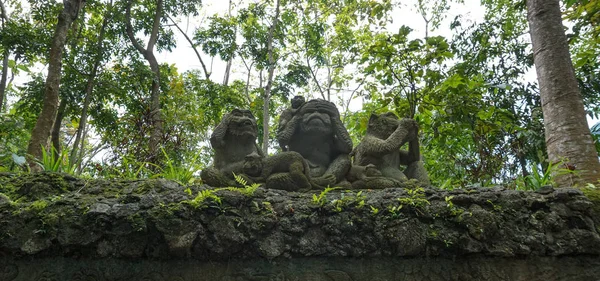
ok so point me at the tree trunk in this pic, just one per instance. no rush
(568, 137)
(3, 80)
(89, 88)
(5, 55)
(157, 123)
(230, 61)
(155, 113)
(43, 125)
(55, 135)
(267, 95)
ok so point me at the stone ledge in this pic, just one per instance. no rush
(310, 269)
(48, 217)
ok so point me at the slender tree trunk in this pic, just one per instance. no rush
(81, 152)
(148, 53)
(89, 88)
(267, 95)
(55, 135)
(43, 125)
(155, 136)
(568, 137)
(3, 80)
(5, 56)
(230, 61)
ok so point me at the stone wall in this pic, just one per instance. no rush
(56, 227)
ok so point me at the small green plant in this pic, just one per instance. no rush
(321, 199)
(448, 243)
(494, 206)
(52, 161)
(202, 197)
(416, 198)
(537, 179)
(374, 210)
(348, 199)
(182, 174)
(454, 210)
(38, 205)
(246, 189)
(394, 211)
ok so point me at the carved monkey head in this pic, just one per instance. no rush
(297, 101)
(383, 125)
(242, 123)
(253, 164)
(316, 117)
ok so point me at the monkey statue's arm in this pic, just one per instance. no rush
(285, 135)
(378, 147)
(218, 135)
(230, 169)
(339, 167)
(412, 155)
(341, 139)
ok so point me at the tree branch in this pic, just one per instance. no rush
(129, 29)
(155, 25)
(206, 73)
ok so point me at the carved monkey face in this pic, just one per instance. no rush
(297, 101)
(315, 121)
(242, 123)
(383, 125)
(253, 164)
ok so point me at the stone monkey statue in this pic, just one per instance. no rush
(386, 134)
(317, 133)
(260, 169)
(232, 139)
(287, 115)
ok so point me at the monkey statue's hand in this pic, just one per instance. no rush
(411, 126)
(330, 109)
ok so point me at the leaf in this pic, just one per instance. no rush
(19, 160)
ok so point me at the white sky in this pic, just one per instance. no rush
(184, 57)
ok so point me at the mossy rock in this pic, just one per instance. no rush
(594, 195)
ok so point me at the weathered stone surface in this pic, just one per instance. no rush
(155, 230)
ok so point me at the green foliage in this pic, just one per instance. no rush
(479, 113)
(52, 161)
(416, 198)
(321, 199)
(38, 205)
(538, 179)
(374, 210)
(247, 190)
(394, 211)
(454, 210)
(203, 196)
(182, 174)
(347, 199)
(200, 201)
